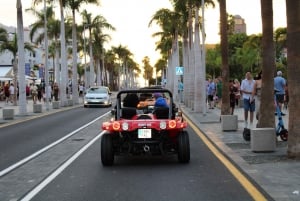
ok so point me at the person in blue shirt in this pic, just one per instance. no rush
(180, 90)
(160, 101)
(279, 85)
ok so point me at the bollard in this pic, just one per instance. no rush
(8, 114)
(55, 104)
(37, 108)
(263, 139)
(229, 122)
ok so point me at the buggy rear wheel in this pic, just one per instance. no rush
(183, 147)
(284, 134)
(107, 152)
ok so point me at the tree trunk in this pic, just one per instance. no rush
(266, 113)
(21, 61)
(92, 69)
(64, 67)
(198, 66)
(75, 94)
(225, 108)
(293, 57)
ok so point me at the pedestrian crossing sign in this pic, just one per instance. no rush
(179, 70)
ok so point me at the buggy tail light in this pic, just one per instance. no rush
(116, 126)
(172, 124)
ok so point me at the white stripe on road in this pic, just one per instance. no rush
(59, 170)
(25, 160)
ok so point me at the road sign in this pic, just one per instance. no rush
(179, 70)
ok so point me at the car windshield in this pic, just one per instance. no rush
(97, 91)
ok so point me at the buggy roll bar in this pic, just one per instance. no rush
(132, 91)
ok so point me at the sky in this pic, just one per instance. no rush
(131, 19)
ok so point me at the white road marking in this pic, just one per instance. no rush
(25, 160)
(59, 170)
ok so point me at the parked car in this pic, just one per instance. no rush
(150, 130)
(97, 96)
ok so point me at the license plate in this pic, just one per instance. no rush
(144, 133)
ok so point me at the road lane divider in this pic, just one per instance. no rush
(243, 180)
(39, 152)
(59, 170)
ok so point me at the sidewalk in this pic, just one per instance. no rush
(274, 172)
(30, 114)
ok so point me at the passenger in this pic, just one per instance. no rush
(131, 100)
(160, 101)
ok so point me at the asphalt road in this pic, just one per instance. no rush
(54, 176)
(21, 140)
(146, 178)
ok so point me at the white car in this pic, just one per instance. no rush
(97, 96)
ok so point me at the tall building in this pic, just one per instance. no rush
(239, 24)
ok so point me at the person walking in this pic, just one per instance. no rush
(180, 91)
(34, 92)
(11, 92)
(6, 93)
(279, 86)
(248, 89)
(211, 92)
(55, 91)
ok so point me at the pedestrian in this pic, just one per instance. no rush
(34, 92)
(6, 93)
(258, 81)
(180, 91)
(237, 85)
(219, 86)
(279, 86)
(11, 92)
(39, 92)
(55, 91)
(232, 91)
(211, 92)
(81, 88)
(248, 89)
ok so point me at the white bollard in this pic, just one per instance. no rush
(8, 114)
(229, 122)
(263, 139)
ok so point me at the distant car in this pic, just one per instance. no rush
(97, 96)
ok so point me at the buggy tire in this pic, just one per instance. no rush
(246, 134)
(107, 152)
(283, 135)
(183, 147)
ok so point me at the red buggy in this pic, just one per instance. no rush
(143, 131)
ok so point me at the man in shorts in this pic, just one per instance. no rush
(279, 85)
(248, 89)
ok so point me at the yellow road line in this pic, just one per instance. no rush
(248, 186)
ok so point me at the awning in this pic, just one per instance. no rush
(5, 72)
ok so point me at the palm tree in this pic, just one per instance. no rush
(168, 21)
(21, 60)
(75, 5)
(12, 47)
(266, 117)
(225, 108)
(293, 57)
(123, 55)
(63, 83)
